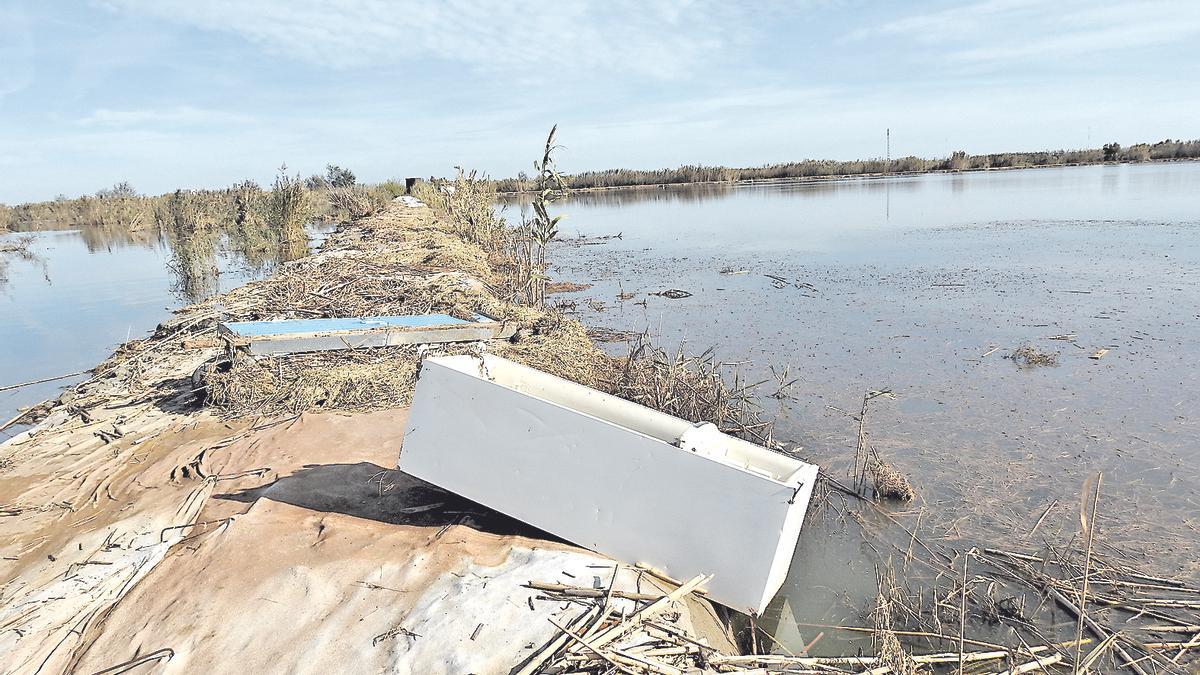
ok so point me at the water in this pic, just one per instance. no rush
(90, 290)
(923, 285)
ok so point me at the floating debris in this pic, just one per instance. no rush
(1028, 356)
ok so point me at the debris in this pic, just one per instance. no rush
(534, 441)
(673, 293)
(565, 287)
(890, 483)
(730, 271)
(393, 632)
(1028, 356)
(1099, 354)
(601, 334)
(45, 379)
(777, 282)
(311, 335)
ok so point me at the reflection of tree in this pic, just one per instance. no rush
(18, 249)
(199, 235)
(192, 238)
(261, 247)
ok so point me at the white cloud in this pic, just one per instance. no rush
(657, 38)
(1012, 30)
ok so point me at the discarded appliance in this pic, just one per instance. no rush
(613, 476)
(312, 335)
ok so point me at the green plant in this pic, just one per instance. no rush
(469, 204)
(543, 228)
(337, 177)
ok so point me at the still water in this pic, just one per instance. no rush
(87, 291)
(924, 285)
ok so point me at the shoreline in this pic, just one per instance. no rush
(833, 178)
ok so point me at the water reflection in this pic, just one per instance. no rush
(86, 290)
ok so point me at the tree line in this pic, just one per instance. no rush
(818, 168)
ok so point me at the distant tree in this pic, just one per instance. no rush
(1111, 151)
(122, 189)
(339, 177)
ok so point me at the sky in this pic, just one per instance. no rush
(204, 93)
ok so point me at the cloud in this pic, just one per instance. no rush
(178, 116)
(655, 38)
(995, 31)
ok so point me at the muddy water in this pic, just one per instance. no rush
(924, 285)
(89, 290)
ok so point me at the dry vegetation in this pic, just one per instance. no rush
(814, 168)
(16, 248)
(698, 388)
(1028, 356)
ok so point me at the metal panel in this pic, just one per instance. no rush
(308, 335)
(548, 452)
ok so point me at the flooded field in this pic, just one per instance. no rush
(925, 286)
(85, 291)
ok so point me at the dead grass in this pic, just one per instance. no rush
(355, 380)
(697, 388)
(402, 261)
(887, 644)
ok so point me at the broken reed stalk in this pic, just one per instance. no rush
(962, 614)
(1090, 526)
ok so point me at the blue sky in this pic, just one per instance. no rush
(189, 93)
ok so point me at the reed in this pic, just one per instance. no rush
(289, 208)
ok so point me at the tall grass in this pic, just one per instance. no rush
(289, 208)
(468, 202)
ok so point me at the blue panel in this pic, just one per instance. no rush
(260, 328)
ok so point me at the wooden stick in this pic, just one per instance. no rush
(650, 610)
(1087, 571)
(592, 646)
(48, 379)
(962, 614)
(531, 666)
(1038, 664)
(1096, 628)
(647, 663)
(584, 592)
